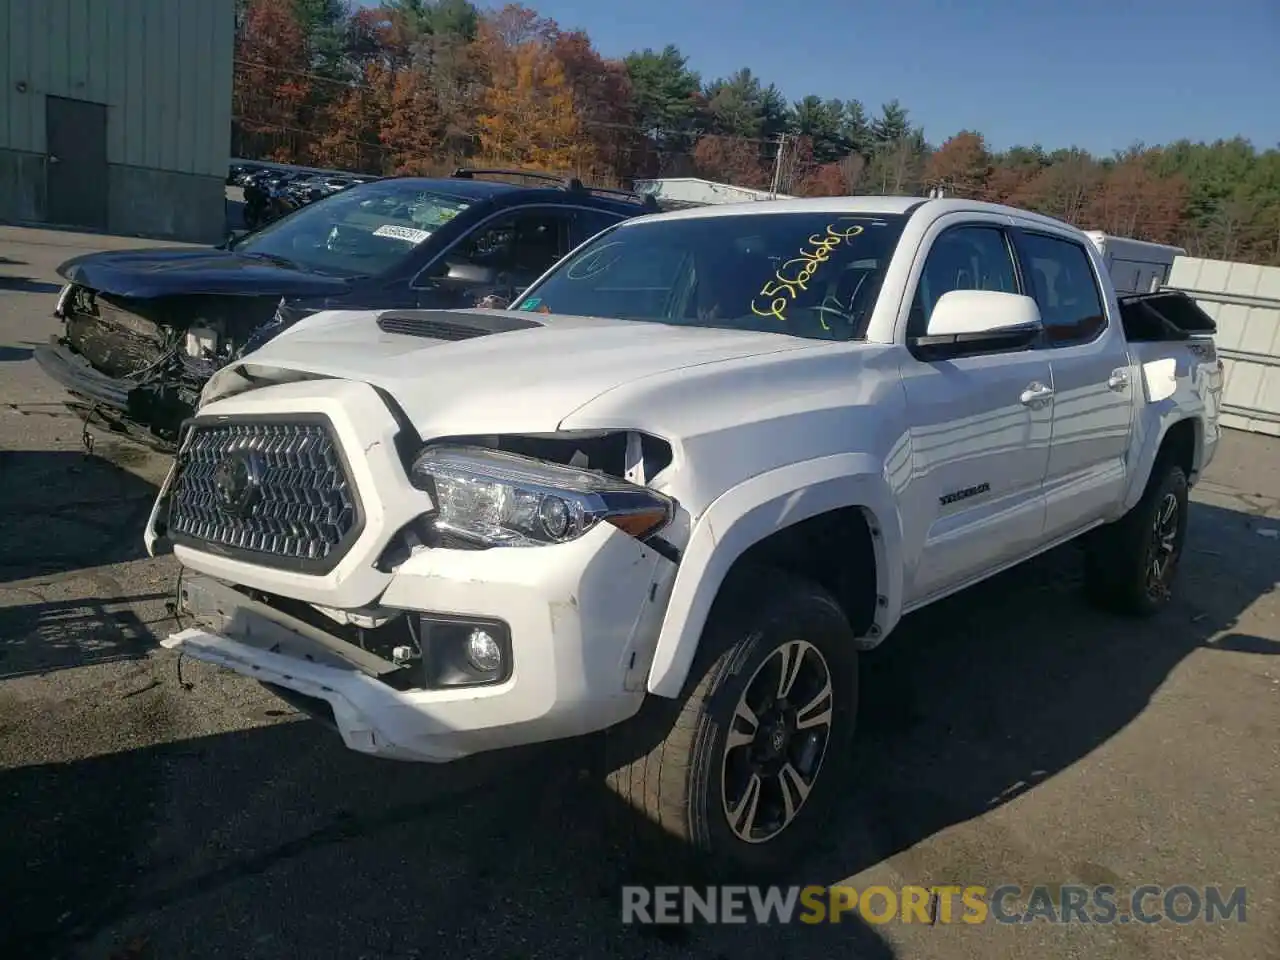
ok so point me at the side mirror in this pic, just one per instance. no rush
(978, 321)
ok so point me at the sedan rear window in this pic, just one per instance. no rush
(805, 274)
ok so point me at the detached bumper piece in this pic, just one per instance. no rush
(138, 408)
(75, 373)
(369, 692)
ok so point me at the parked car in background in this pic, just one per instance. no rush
(143, 329)
(710, 458)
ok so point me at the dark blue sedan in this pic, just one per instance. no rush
(144, 329)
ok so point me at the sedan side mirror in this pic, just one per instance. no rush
(470, 274)
(965, 322)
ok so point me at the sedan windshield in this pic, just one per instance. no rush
(805, 274)
(362, 231)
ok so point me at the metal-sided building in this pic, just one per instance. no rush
(116, 114)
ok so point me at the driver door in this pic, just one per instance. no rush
(498, 260)
(979, 427)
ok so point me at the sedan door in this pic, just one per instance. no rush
(497, 260)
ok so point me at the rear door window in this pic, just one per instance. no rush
(1065, 289)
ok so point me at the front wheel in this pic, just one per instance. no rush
(1131, 564)
(746, 770)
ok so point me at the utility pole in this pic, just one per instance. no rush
(777, 167)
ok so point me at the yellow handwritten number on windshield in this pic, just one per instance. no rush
(794, 275)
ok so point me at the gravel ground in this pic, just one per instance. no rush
(1012, 735)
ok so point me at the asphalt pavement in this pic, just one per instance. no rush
(1009, 735)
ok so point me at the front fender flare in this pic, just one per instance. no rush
(747, 514)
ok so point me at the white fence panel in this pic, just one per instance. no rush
(1244, 300)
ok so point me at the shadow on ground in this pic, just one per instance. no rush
(278, 843)
(14, 354)
(28, 285)
(68, 510)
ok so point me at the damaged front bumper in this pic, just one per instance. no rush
(379, 642)
(77, 375)
(577, 639)
(144, 415)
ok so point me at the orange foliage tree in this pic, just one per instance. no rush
(353, 123)
(529, 116)
(414, 127)
(602, 94)
(960, 166)
(730, 159)
(421, 85)
(1135, 202)
(271, 84)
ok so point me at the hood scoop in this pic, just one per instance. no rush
(442, 325)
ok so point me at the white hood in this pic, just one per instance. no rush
(525, 380)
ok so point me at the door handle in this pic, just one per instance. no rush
(1036, 395)
(1119, 379)
(53, 159)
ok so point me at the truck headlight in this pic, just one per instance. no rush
(497, 498)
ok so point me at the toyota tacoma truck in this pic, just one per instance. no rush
(670, 497)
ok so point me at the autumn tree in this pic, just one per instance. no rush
(417, 85)
(1066, 185)
(515, 25)
(1134, 201)
(351, 130)
(271, 85)
(730, 160)
(826, 180)
(960, 167)
(529, 116)
(602, 94)
(413, 129)
(1012, 173)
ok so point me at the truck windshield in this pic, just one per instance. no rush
(364, 230)
(810, 274)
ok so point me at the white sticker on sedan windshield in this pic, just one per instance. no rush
(411, 234)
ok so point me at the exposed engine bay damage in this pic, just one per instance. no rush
(162, 350)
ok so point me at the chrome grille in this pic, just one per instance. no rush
(278, 491)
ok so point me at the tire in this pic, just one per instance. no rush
(695, 785)
(1131, 564)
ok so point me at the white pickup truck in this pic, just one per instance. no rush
(703, 463)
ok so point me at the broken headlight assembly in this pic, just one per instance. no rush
(494, 498)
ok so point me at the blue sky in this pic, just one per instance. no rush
(1097, 74)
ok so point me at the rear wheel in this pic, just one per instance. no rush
(744, 769)
(1131, 564)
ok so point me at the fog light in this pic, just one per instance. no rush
(483, 651)
(464, 651)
